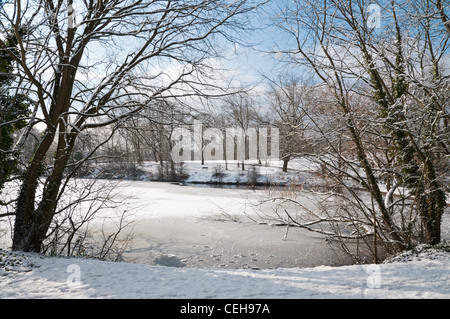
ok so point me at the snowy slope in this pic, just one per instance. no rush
(421, 275)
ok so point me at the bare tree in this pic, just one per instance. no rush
(442, 13)
(93, 64)
(240, 109)
(89, 221)
(288, 102)
(385, 88)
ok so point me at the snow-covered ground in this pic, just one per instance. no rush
(216, 172)
(424, 274)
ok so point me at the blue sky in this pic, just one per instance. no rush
(254, 55)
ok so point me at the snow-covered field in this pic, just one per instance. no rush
(425, 275)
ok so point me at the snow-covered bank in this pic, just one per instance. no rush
(426, 274)
(212, 172)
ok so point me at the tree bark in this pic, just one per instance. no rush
(285, 163)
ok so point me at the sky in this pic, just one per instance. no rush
(253, 61)
(244, 63)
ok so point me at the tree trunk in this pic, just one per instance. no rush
(285, 163)
(431, 205)
(30, 228)
(31, 224)
(27, 221)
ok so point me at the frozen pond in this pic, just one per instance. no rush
(188, 226)
(210, 227)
